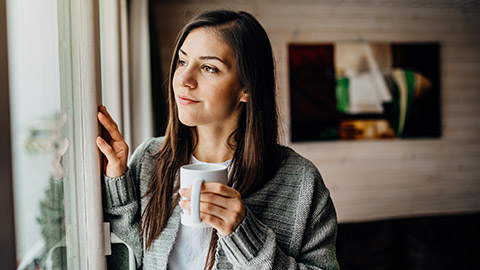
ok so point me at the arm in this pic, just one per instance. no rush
(122, 201)
(253, 245)
(121, 184)
(121, 209)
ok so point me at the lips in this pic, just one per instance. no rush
(186, 100)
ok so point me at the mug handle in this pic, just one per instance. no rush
(195, 200)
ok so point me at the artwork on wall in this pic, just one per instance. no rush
(360, 90)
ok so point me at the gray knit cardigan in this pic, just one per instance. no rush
(290, 223)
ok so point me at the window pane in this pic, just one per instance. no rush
(36, 133)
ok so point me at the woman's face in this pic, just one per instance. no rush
(206, 82)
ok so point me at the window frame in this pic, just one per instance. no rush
(80, 84)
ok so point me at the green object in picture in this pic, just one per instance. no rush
(342, 93)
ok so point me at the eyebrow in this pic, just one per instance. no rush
(206, 57)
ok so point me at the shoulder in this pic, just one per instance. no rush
(149, 146)
(294, 174)
(146, 151)
(294, 164)
(300, 174)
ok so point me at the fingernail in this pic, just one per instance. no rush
(182, 191)
(100, 140)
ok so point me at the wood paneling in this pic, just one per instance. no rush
(380, 179)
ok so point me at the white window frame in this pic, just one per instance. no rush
(115, 63)
(80, 82)
(94, 56)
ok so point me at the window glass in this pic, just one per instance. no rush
(37, 142)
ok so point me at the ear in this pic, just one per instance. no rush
(244, 96)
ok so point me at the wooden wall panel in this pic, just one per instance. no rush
(372, 180)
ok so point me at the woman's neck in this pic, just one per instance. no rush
(212, 146)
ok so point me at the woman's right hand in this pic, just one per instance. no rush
(112, 145)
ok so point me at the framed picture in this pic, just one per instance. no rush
(360, 90)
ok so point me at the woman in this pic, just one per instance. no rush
(275, 212)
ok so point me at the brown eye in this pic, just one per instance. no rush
(210, 69)
(181, 62)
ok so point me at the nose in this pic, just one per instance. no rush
(186, 77)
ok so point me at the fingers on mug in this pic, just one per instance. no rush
(192, 176)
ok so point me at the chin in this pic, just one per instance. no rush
(187, 121)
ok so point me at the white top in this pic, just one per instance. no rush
(191, 246)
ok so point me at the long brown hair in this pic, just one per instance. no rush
(255, 158)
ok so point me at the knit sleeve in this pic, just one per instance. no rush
(253, 245)
(121, 202)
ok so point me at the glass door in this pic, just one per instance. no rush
(54, 64)
(55, 88)
(36, 125)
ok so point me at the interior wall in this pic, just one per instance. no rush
(371, 180)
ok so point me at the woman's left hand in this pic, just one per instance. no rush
(220, 206)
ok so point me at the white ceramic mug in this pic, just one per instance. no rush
(194, 175)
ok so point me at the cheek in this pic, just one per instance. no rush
(222, 95)
(225, 99)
